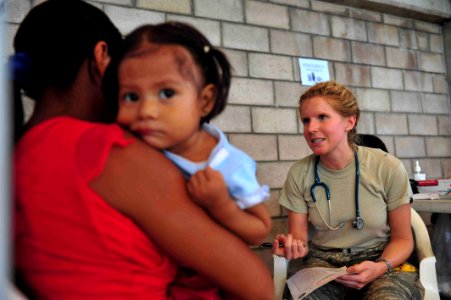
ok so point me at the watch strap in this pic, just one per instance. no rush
(390, 271)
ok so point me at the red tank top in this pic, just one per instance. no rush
(69, 243)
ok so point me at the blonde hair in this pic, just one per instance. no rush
(342, 100)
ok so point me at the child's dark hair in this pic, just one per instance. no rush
(51, 44)
(213, 63)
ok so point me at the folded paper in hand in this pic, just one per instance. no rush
(307, 280)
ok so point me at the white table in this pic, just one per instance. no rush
(437, 206)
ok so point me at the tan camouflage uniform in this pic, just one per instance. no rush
(401, 285)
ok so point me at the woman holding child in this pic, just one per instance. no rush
(98, 214)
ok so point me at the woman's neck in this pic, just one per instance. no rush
(44, 110)
(83, 100)
(338, 161)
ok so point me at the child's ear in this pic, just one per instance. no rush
(207, 98)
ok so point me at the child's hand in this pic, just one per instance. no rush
(207, 188)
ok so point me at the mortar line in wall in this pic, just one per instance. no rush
(243, 11)
(251, 119)
(221, 35)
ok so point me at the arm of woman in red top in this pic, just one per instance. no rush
(152, 192)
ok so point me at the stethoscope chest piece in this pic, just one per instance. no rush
(358, 223)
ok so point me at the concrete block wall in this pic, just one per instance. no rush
(395, 65)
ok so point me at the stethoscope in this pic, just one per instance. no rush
(358, 221)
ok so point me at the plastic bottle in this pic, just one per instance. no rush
(418, 175)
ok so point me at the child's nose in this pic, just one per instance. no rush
(148, 109)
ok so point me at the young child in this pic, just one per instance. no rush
(170, 82)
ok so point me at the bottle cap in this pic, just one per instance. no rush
(417, 167)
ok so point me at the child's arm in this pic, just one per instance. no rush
(208, 189)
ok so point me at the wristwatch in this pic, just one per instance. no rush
(390, 271)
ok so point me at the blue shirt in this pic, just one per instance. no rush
(237, 168)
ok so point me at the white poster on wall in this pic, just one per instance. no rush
(313, 71)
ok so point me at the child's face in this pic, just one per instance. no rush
(325, 130)
(161, 96)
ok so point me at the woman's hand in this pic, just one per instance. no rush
(291, 248)
(361, 274)
(295, 243)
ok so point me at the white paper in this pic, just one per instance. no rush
(307, 280)
(425, 196)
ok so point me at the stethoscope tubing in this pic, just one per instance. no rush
(358, 221)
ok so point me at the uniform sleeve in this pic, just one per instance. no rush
(292, 195)
(93, 148)
(398, 185)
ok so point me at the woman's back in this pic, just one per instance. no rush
(68, 241)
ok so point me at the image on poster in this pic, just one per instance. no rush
(313, 71)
